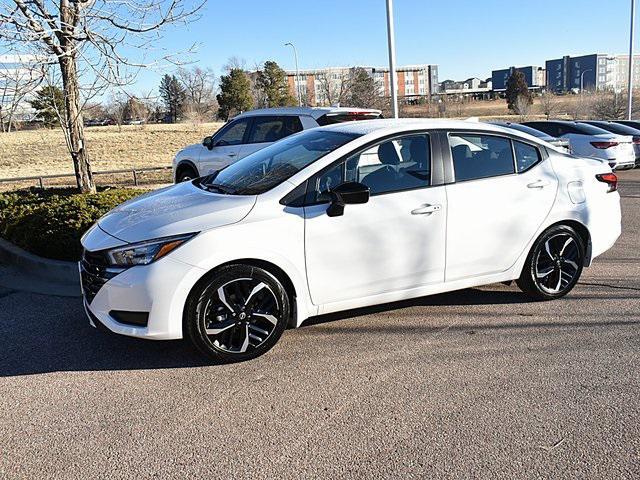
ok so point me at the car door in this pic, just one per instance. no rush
(267, 129)
(503, 191)
(225, 146)
(393, 242)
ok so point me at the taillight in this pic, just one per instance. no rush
(610, 179)
(604, 145)
(636, 140)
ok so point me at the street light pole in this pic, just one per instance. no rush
(297, 81)
(631, 39)
(392, 59)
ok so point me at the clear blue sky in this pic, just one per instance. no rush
(464, 37)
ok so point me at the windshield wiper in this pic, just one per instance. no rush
(211, 187)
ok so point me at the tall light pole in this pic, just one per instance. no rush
(631, 40)
(582, 79)
(297, 81)
(392, 59)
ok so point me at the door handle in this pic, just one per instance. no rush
(232, 154)
(538, 184)
(426, 209)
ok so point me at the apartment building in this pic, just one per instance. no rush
(19, 76)
(535, 77)
(327, 86)
(597, 71)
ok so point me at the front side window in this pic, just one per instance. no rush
(526, 156)
(232, 134)
(267, 168)
(480, 156)
(395, 165)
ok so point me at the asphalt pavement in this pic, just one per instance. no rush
(479, 383)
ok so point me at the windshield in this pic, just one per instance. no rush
(266, 168)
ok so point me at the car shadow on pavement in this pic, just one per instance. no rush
(470, 296)
(50, 334)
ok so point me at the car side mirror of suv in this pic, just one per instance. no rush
(350, 193)
(208, 142)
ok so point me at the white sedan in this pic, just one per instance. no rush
(346, 216)
(591, 141)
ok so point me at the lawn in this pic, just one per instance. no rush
(43, 152)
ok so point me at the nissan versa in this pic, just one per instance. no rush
(346, 216)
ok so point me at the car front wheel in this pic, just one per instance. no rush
(237, 314)
(554, 264)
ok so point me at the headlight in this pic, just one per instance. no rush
(144, 253)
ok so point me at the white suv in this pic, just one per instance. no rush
(254, 130)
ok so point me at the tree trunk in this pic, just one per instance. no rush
(73, 124)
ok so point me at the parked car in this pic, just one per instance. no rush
(621, 129)
(341, 217)
(556, 142)
(254, 130)
(630, 123)
(589, 141)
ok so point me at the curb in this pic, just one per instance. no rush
(56, 271)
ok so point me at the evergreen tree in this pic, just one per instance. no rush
(49, 105)
(235, 93)
(517, 88)
(271, 81)
(173, 95)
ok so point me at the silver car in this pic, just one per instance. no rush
(254, 130)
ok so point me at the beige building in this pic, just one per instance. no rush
(328, 86)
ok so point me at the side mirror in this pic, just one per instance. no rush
(208, 142)
(350, 193)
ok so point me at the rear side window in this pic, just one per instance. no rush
(267, 129)
(480, 156)
(340, 117)
(526, 156)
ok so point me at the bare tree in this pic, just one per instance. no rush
(200, 87)
(117, 108)
(22, 77)
(608, 106)
(94, 43)
(549, 104)
(334, 87)
(522, 107)
(579, 106)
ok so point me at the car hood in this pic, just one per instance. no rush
(190, 151)
(182, 208)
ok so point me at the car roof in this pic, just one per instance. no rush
(315, 112)
(393, 125)
(523, 128)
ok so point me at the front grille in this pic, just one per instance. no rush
(95, 272)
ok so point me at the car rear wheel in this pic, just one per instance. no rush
(237, 314)
(554, 264)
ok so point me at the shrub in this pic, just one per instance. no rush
(50, 222)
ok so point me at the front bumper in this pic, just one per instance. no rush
(159, 289)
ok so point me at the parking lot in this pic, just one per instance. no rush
(476, 383)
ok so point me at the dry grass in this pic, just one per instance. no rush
(43, 152)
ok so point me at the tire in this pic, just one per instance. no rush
(186, 174)
(236, 314)
(554, 264)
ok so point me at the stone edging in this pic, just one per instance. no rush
(42, 268)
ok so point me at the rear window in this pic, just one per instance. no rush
(617, 128)
(341, 117)
(586, 129)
